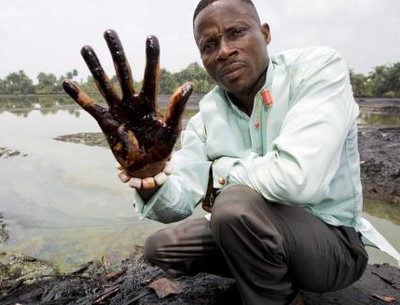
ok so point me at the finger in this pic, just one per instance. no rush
(127, 149)
(103, 83)
(135, 183)
(123, 176)
(121, 64)
(148, 183)
(101, 114)
(152, 70)
(84, 100)
(177, 103)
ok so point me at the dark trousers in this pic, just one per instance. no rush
(272, 250)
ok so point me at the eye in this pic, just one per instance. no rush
(209, 46)
(236, 32)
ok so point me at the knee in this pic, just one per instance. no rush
(223, 211)
(230, 210)
(223, 214)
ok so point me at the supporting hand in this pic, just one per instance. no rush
(140, 137)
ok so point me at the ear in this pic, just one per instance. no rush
(266, 32)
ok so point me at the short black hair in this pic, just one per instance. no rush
(204, 3)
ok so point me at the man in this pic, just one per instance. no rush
(278, 139)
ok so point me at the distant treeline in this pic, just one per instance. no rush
(18, 83)
(382, 81)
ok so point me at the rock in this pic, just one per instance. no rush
(91, 139)
(6, 153)
(3, 230)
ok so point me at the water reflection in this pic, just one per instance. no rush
(379, 120)
(63, 202)
(44, 111)
(22, 106)
(383, 209)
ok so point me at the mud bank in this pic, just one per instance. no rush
(380, 162)
(136, 282)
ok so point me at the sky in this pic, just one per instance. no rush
(47, 35)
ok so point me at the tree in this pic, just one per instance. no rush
(89, 86)
(392, 81)
(378, 76)
(361, 85)
(196, 74)
(47, 83)
(72, 74)
(386, 81)
(2, 87)
(18, 83)
(168, 82)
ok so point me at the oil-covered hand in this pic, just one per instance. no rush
(140, 136)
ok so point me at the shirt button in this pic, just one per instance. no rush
(221, 181)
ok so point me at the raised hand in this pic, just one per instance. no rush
(140, 137)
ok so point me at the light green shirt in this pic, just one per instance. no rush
(301, 150)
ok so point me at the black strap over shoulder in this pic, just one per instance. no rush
(208, 201)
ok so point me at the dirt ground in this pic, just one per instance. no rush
(136, 282)
(379, 152)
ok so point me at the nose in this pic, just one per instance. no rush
(226, 49)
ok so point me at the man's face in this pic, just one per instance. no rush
(232, 44)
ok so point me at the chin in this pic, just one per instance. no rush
(238, 87)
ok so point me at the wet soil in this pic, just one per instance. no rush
(380, 163)
(134, 281)
(379, 148)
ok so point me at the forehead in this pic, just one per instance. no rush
(223, 13)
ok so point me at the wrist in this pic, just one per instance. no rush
(149, 170)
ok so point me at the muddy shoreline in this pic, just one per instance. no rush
(379, 148)
(134, 281)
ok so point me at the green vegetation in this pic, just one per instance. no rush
(383, 81)
(18, 83)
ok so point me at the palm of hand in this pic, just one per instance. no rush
(140, 137)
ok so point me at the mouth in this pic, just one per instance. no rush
(232, 71)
